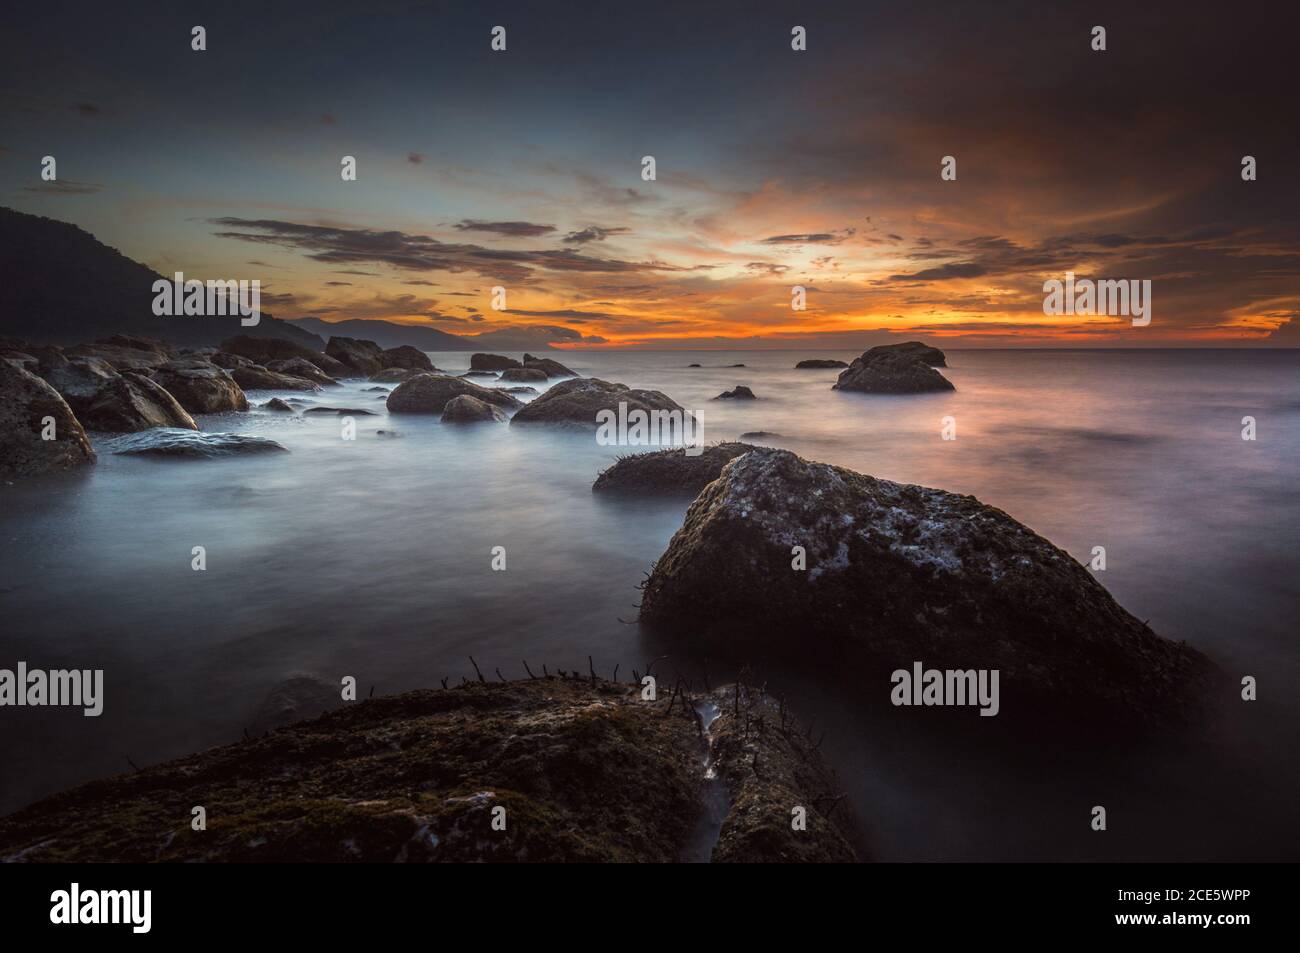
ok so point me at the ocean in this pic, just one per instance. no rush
(373, 558)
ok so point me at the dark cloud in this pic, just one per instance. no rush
(767, 268)
(811, 238)
(508, 229)
(944, 272)
(592, 233)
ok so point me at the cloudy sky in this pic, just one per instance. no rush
(774, 168)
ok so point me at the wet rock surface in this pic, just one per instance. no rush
(192, 444)
(491, 362)
(898, 573)
(739, 392)
(819, 363)
(25, 402)
(362, 358)
(576, 403)
(891, 371)
(200, 387)
(584, 768)
(466, 409)
(429, 393)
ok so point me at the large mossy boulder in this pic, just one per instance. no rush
(30, 409)
(900, 574)
(584, 768)
(668, 472)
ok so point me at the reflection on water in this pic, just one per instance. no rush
(373, 559)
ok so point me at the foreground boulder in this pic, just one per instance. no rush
(491, 362)
(671, 472)
(922, 352)
(192, 444)
(585, 770)
(26, 401)
(891, 371)
(363, 358)
(902, 574)
(576, 403)
(406, 356)
(429, 393)
(818, 363)
(110, 402)
(466, 409)
(200, 387)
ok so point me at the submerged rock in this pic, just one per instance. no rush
(339, 411)
(891, 371)
(761, 435)
(26, 401)
(520, 389)
(278, 405)
(819, 363)
(585, 770)
(576, 403)
(668, 471)
(900, 573)
(466, 409)
(739, 392)
(523, 375)
(200, 387)
(192, 444)
(363, 358)
(491, 362)
(429, 393)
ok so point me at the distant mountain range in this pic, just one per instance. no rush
(60, 285)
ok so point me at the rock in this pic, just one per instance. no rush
(301, 367)
(735, 365)
(126, 352)
(922, 352)
(694, 365)
(200, 387)
(467, 410)
(760, 435)
(547, 366)
(380, 390)
(362, 357)
(411, 358)
(223, 359)
(575, 403)
(429, 393)
(25, 403)
(818, 363)
(278, 406)
(395, 375)
(585, 770)
(107, 401)
(266, 351)
(19, 358)
(195, 444)
(491, 362)
(256, 377)
(340, 411)
(520, 389)
(898, 574)
(739, 393)
(298, 697)
(891, 372)
(524, 375)
(670, 472)
(490, 375)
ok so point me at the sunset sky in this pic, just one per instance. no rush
(774, 167)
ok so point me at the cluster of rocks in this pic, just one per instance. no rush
(530, 370)
(584, 768)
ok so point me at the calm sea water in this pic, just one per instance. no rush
(372, 558)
